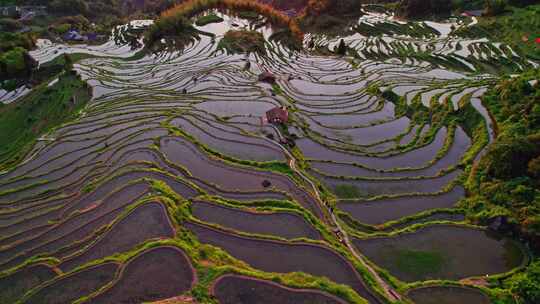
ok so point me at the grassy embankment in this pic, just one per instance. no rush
(23, 121)
(208, 19)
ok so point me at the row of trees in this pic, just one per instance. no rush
(14, 58)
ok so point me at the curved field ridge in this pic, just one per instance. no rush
(380, 211)
(75, 286)
(274, 256)
(282, 224)
(228, 177)
(155, 274)
(442, 252)
(376, 141)
(236, 289)
(447, 295)
(146, 222)
(14, 286)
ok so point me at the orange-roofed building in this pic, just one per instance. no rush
(278, 115)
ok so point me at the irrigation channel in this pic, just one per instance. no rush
(170, 184)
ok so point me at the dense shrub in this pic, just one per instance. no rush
(13, 60)
(342, 48)
(9, 41)
(509, 157)
(495, 7)
(61, 28)
(70, 7)
(533, 167)
(79, 22)
(420, 9)
(14, 63)
(174, 26)
(335, 7)
(508, 173)
(243, 42)
(10, 25)
(526, 285)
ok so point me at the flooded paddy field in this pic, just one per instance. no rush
(172, 182)
(124, 235)
(448, 295)
(263, 254)
(17, 284)
(153, 275)
(72, 287)
(281, 224)
(242, 290)
(377, 212)
(443, 252)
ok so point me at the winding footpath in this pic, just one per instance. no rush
(390, 292)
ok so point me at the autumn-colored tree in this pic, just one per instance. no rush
(193, 7)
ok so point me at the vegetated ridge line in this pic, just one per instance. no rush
(391, 293)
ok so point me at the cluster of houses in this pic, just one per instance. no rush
(10, 12)
(22, 13)
(472, 13)
(74, 35)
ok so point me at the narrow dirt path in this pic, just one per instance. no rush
(390, 292)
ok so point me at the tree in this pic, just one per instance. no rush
(342, 48)
(68, 62)
(495, 7)
(69, 7)
(10, 25)
(527, 284)
(533, 168)
(508, 157)
(12, 63)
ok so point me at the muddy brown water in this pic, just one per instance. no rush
(235, 289)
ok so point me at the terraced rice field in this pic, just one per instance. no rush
(448, 295)
(226, 289)
(168, 183)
